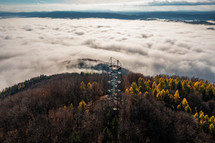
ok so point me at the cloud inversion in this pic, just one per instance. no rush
(33, 46)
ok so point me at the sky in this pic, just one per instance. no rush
(104, 5)
(34, 46)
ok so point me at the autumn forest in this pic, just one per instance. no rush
(73, 108)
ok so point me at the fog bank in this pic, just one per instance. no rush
(33, 46)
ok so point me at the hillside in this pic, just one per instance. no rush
(73, 108)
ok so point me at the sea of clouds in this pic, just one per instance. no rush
(33, 46)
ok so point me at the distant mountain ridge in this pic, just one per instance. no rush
(97, 65)
(188, 17)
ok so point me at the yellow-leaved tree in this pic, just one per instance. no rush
(176, 97)
(82, 105)
(134, 87)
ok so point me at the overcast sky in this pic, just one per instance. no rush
(114, 5)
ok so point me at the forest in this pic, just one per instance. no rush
(73, 108)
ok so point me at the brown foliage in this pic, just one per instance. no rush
(44, 113)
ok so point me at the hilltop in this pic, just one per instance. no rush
(73, 108)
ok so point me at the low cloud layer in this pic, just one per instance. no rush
(33, 46)
(181, 3)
